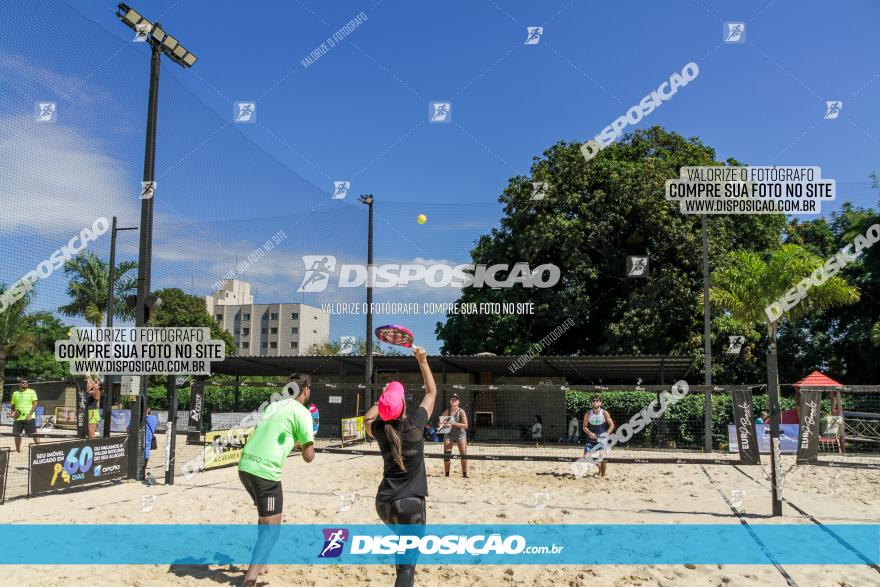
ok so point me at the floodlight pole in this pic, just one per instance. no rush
(707, 340)
(136, 435)
(171, 430)
(368, 360)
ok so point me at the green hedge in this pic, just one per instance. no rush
(683, 420)
(217, 398)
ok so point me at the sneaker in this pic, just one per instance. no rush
(447, 473)
(464, 475)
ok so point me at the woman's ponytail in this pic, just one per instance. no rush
(393, 436)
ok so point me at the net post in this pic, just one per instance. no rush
(171, 427)
(775, 416)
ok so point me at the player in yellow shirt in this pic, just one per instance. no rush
(24, 407)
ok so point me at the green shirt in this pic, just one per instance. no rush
(274, 438)
(23, 401)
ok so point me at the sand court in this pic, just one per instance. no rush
(339, 489)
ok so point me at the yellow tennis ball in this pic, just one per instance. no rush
(422, 218)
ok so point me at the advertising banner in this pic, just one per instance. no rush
(4, 465)
(221, 421)
(65, 417)
(788, 438)
(808, 444)
(442, 544)
(353, 430)
(196, 407)
(82, 429)
(6, 415)
(58, 466)
(219, 454)
(744, 421)
(119, 420)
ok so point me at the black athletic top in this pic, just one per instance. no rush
(93, 403)
(397, 484)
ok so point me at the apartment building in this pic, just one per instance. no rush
(282, 329)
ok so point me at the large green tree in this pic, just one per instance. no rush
(594, 215)
(180, 309)
(41, 329)
(839, 340)
(88, 288)
(14, 338)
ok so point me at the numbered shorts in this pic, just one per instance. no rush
(267, 495)
(28, 426)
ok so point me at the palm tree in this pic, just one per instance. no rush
(89, 278)
(14, 338)
(750, 283)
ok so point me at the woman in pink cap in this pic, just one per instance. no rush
(401, 438)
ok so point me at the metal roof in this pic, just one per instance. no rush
(586, 369)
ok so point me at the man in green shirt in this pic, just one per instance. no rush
(283, 425)
(24, 407)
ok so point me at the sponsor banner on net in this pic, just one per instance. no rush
(133, 350)
(414, 309)
(750, 190)
(472, 544)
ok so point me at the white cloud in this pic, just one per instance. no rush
(20, 72)
(54, 179)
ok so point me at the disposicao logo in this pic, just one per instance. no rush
(320, 268)
(334, 540)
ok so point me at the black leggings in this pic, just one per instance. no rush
(407, 510)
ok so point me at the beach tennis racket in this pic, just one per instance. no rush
(316, 417)
(395, 334)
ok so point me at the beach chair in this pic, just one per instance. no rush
(832, 433)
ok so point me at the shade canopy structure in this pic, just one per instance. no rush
(575, 369)
(817, 379)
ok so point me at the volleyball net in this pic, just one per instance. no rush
(545, 422)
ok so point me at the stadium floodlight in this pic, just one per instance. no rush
(156, 36)
(160, 43)
(129, 16)
(169, 43)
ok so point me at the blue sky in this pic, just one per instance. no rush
(360, 113)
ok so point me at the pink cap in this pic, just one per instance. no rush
(391, 402)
